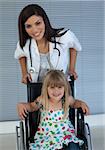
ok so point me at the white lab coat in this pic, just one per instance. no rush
(68, 40)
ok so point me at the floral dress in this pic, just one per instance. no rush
(54, 131)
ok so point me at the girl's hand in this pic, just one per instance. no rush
(25, 78)
(22, 110)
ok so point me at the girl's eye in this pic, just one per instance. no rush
(59, 87)
(52, 87)
(27, 26)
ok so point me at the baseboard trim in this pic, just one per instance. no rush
(8, 127)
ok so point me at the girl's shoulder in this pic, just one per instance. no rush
(39, 99)
(39, 102)
(71, 101)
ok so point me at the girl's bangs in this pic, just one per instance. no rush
(56, 82)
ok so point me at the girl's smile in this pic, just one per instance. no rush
(56, 93)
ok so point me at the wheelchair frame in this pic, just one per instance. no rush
(26, 130)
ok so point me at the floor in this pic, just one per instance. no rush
(8, 141)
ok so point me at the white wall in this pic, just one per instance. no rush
(86, 20)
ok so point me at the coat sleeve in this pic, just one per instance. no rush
(19, 52)
(71, 41)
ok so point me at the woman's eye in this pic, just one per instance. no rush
(27, 26)
(38, 23)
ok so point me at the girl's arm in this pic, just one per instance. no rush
(24, 108)
(73, 57)
(23, 66)
(75, 103)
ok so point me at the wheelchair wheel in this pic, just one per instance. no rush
(22, 140)
(85, 145)
(20, 137)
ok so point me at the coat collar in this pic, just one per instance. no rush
(34, 46)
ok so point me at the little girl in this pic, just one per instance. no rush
(55, 131)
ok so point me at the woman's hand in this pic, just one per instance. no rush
(85, 108)
(25, 78)
(22, 110)
(83, 105)
(73, 73)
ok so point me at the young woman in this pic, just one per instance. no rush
(42, 47)
(55, 130)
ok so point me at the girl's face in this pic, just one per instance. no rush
(35, 27)
(56, 93)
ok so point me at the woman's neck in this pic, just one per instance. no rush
(43, 46)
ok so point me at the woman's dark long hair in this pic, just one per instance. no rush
(34, 9)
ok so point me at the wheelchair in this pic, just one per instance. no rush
(26, 130)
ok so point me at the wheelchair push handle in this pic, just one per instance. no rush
(72, 77)
(69, 78)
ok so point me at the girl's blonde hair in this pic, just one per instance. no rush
(56, 78)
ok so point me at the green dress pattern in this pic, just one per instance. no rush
(54, 131)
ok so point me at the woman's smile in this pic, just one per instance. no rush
(35, 27)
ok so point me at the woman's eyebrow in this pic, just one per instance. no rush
(38, 20)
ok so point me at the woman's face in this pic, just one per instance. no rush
(35, 27)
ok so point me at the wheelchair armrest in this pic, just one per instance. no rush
(76, 117)
(80, 122)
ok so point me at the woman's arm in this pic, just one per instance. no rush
(83, 105)
(76, 103)
(23, 66)
(24, 108)
(22, 62)
(73, 57)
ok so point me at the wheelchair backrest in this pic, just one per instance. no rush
(33, 91)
